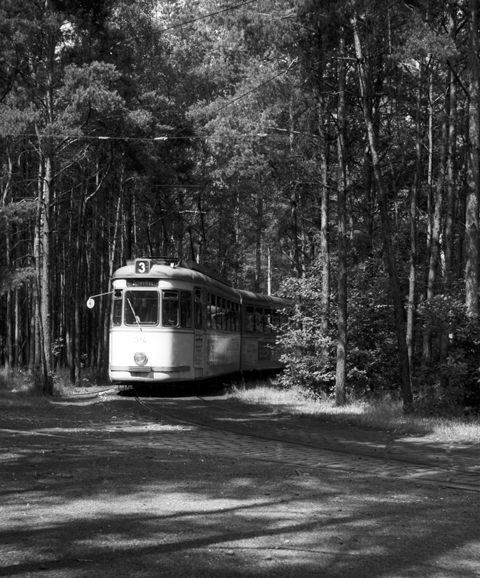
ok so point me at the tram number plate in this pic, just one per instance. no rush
(142, 267)
(138, 340)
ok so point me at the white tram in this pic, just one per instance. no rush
(180, 322)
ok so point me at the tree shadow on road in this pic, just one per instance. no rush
(96, 489)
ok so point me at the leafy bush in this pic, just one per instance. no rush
(453, 384)
(310, 356)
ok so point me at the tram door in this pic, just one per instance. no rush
(199, 345)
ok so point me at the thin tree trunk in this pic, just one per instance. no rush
(436, 233)
(413, 224)
(385, 221)
(324, 245)
(45, 278)
(294, 221)
(340, 381)
(450, 183)
(258, 243)
(471, 228)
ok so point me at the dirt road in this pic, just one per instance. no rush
(104, 487)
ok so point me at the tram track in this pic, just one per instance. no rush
(315, 447)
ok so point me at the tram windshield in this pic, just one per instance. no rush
(141, 307)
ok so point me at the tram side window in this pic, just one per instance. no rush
(170, 309)
(235, 316)
(228, 316)
(275, 319)
(217, 317)
(185, 309)
(215, 312)
(117, 307)
(258, 320)
(223, 316)
(249, 319)
(267, 315)
(209, 311)
(141, 307)
(198, 310)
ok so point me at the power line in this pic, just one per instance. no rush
(124, 138)
(186, 22)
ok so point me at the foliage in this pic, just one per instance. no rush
(311, 356)
(452, 386)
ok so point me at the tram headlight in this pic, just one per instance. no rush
(140, 358)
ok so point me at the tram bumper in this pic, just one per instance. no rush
(135, 374)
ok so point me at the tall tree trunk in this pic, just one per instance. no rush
(471, 228)
(450, 181)
(294, 220)
(340, 381)
(412, 277)
(385, 221)
(8, 261)
(258, 243)
(45, 278)
(324, 244)
(436, 232)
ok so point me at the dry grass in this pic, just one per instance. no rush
(386, 415)
(18, 390)
(23, 389)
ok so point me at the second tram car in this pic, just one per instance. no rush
(175, 322)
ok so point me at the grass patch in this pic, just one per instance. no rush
(386, 415)
(22, 388)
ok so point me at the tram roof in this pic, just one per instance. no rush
(161, 271)
(194, 273)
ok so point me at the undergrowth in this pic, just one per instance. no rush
(386, 414)
(22, 388)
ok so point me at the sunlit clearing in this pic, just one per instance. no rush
(387, 415)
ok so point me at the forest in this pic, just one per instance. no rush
(322, 150)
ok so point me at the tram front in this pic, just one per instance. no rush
(151, 334)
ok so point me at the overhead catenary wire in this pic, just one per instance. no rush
(125, 138)
(171, 137)
(205, 16)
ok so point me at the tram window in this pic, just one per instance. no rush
(185, 309)
(267, 313)
(209, 311)
(231, 316)
(258, 320)
(213, 311)
(235, 326)
(223, 316)
(249, 319)
(170, 309)
(117, 308)
(275, 318)
(228, 316)
(218, 312)
(198, 309)
(141, 307)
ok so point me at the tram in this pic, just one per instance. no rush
(178, 321)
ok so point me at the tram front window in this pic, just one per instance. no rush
(141, 307)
